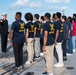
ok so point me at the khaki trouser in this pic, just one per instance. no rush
(30, 49)
(49, 58)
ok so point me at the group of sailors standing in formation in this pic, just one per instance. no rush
(44, 37)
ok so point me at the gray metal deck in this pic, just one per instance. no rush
(37, 68)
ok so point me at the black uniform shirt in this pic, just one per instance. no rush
(4, 26)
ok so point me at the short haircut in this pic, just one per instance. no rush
(70, 18)
(19, 14)
(64, 17)
(48, 15)
(36, 16)
(42, 17)
(73, 19)
(28, 16)
(58, 15)
(74, 15)
(53, 15)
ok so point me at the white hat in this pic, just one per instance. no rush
(4, 14)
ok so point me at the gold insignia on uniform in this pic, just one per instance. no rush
(61, 30)
(32, 28)
(21, 25)
(52, 25)
(51, 29)
(62, 24)
(39, 27)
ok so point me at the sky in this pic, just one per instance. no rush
(36, 6)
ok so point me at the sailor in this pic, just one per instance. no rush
(17, 39)
(4, 32)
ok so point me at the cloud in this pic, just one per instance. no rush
(25, 3)
(35, 4)
(52, 8)
(64, 8)
(56, 8)
(21, 3)
(58, 1)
